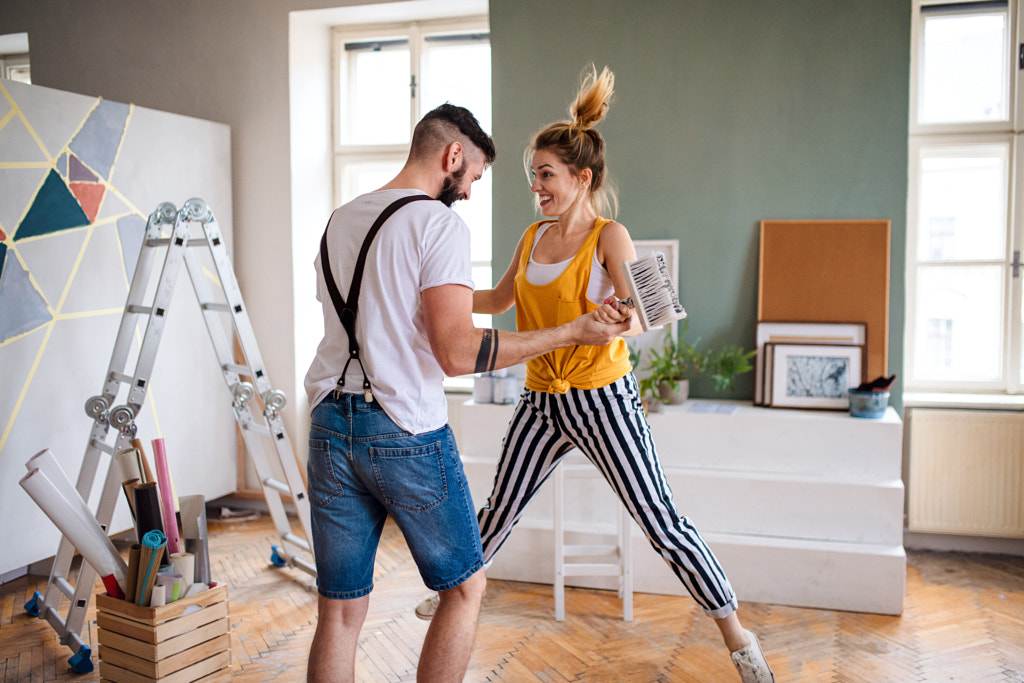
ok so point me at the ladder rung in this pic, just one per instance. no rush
(135, 308)
(591, 570)
(66, 588)
(212, 306)
(102, 446)
(122, 378)
(296, 541)
(590, 549)
(262, 430)
(276, 485)
(240, 369)
(304, 565)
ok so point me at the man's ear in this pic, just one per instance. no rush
(454, 157)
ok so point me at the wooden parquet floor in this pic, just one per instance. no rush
(963, 621)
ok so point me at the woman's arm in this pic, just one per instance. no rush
(614, 247)
(500, 299)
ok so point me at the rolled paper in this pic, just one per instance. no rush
(134, 557)
(193, 526)
(147, 471)
(167, 502)
(172, 582)
(45, 461)
(81, 529)
(129, 462)
(153, 545)
(158, 595)
(147, 509)
(129, 492)
(184, 564)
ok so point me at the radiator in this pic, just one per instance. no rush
(966, 472)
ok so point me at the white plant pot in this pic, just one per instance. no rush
(673, 396)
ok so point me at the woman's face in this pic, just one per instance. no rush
(556, 186)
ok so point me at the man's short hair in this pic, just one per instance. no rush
(445, 124)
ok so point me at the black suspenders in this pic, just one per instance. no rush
(347, 311)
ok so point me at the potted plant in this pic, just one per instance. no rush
(671, 365)
(649, 397)
(726, 363)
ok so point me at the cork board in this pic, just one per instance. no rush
(828, 271)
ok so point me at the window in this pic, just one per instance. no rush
(388, 76)
(964, 233)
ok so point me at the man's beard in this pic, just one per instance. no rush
(449, 193)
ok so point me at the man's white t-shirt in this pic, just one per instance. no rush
(422, 245)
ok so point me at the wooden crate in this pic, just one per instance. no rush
(163, 643)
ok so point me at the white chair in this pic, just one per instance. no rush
(604, 560)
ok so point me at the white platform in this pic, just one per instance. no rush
(802, 508)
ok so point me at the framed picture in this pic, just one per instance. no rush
(798, 333)
(653, 339)
(815, 375)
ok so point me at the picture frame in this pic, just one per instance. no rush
(815, 375)
(645, 342)
(790, 332)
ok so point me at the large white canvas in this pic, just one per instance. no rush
(62, 293)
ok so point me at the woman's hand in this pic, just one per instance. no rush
(611, 312)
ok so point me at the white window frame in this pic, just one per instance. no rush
(926, 136)
(344, 154)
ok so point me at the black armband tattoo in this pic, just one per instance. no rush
(488, 356)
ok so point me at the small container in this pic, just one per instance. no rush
(870, 404)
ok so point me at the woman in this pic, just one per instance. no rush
(586, 396)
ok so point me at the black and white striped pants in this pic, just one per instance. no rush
(608, 426)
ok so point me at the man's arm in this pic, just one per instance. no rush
(462, 349)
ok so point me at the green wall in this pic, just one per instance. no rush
(726, 114)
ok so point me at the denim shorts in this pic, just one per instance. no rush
(363, 467)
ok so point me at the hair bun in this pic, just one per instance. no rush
(593, 99)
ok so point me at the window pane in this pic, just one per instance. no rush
(460, 73)
(962, 205)
(476, 211)
(965, 59)
(366, 176)
(378, 113)
(958, 329)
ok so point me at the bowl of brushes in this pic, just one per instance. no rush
(870, 399)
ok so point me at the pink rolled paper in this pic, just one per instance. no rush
(82, 530)
(167, 502)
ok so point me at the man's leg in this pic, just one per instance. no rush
(449, 641)
(332, 657)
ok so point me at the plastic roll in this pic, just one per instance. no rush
(193, 526)
(167, 502)
(129, 462)
(147, 509)
(153, 545)
(82, 530)
(184, 564)
(45, 461)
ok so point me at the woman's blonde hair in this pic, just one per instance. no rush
(577, 144)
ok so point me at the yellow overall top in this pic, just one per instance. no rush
(560, 301)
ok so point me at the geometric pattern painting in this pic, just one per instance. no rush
(79, 177)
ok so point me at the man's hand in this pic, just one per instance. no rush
(601, 326)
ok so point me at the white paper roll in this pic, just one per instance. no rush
(158, 596)
(83, 531)
(130, 465)
(45, 461)
(184, 564)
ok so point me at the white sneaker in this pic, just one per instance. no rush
(425, 610)
(751, 664)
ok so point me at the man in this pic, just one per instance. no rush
(379, 441)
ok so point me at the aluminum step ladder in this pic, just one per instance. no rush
(227, 320)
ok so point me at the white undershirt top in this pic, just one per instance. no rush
(599, 288)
